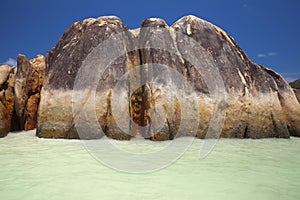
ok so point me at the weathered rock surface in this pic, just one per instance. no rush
(28, 83)
(259, 102)
(20, 94)
(55, 116)
(7, 75)
(30, 112)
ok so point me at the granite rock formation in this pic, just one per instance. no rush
(28, 83)
(20, 94)
(259, 102)
(7, 75)
(55, 116)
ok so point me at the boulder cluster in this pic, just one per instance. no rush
(252, 100)
(20, 94)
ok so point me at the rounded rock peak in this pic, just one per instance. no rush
(155, 23)
(189, 21)
(111, 19)
(103, 20)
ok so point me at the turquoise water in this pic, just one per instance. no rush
(33, 168)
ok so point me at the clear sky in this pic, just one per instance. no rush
(267, 30)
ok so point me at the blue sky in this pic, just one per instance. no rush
(267, 30)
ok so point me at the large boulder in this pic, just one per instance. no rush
(55, 116)
(7, 75)
(216, 76)
(28, 83)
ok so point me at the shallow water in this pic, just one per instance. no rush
(34, 168)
